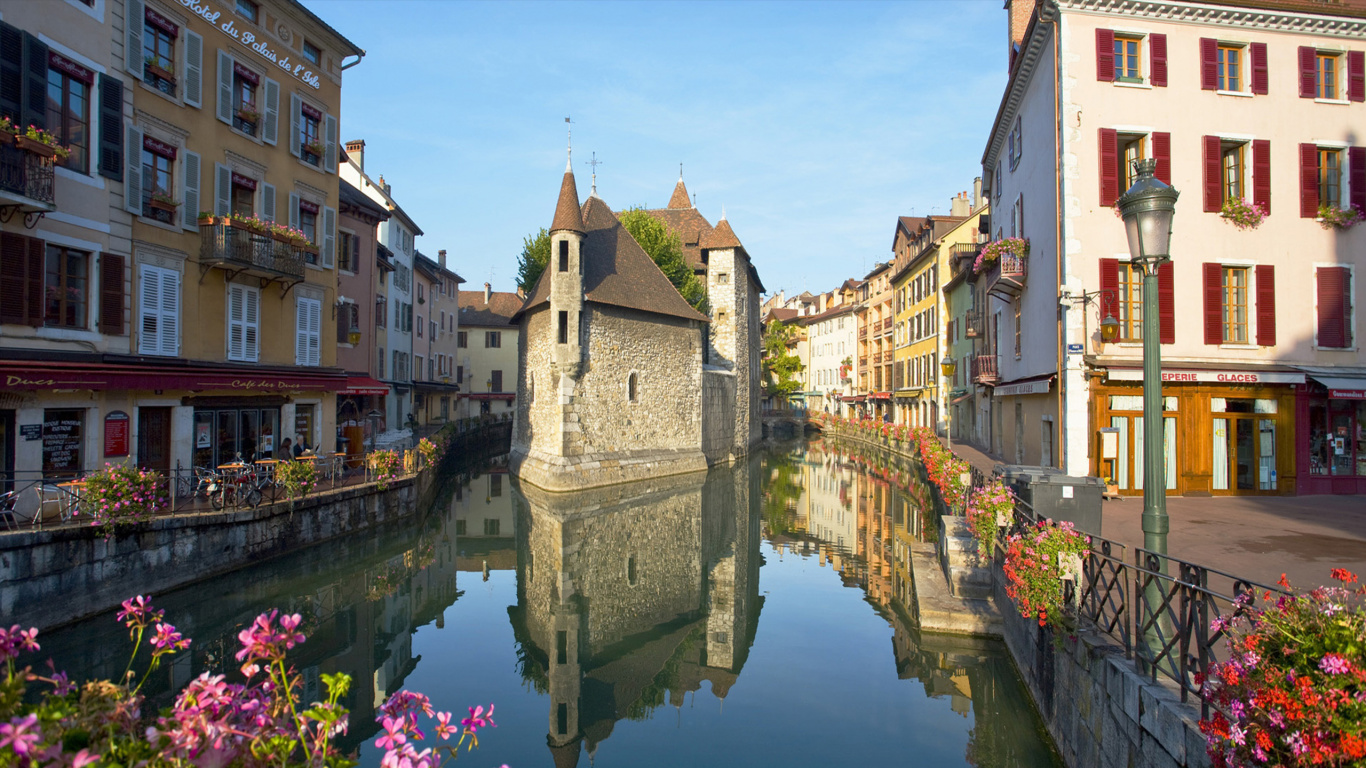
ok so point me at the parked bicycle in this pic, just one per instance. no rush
(234, 484)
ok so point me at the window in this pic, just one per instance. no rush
(1327, 70)
(308, 224)
(1330, 177)
(348, 322)
(308, 332)
(462, 339)
(1233, 165)
(158, 311)
(310, 139)
(379, 368)
(243, 195)
(496, 381)
(381, 311)
(722, 278)
(1130, 302)
(1334, 285)
(1015, 144)
(1128, 59)
(564, 255)
(632, 387)
(1019, 330)
(312, 53)
(420, 324)
(158, 52)
(246, 114)
(564, 328)
(348, 251)
(63, 437)
(244, 307)
(157, 160)
(1230, 61)
(68, 109)
(1235, 305)
(64, 287)
(459, 374)
(249, 9)
(493, 339)
(1132, 148)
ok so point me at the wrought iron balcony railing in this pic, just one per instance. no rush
(26, 178)
(984, 370)
(234, 248)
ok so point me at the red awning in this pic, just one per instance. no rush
(880, 395)
(491, 395)
(45, 375)
(364, 385)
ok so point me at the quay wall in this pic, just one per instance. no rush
(1100, 711)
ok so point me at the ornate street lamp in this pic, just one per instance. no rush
(1147, 209)
(1109, 329)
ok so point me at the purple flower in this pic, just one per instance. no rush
(1334, 664)
(168, 639)
(393, 733)
(16, 734)
(1296, 743)
(478, 719)
(443, 725)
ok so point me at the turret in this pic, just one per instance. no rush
(566, 278)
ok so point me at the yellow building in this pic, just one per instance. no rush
(916, 367)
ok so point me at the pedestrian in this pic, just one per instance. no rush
(284, 453)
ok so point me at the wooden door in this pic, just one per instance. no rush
(154, 438)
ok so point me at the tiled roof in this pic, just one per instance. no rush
(680, 197)
(497, 312)
(722, 236)
(690, 226)
(568, 215)
(827, 314)
(354, 198)
(617, 271)
(781, 314)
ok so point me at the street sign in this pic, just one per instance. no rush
(1074, 349)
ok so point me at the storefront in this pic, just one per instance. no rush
(1225, 432)
(360, 413)
(1331, 441)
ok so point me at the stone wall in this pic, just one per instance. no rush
(49, 578)
(719, 424)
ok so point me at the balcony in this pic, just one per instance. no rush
(232, 247)
(877, 358)
(887, 324)
(1006, 277)
(863, 332)
(863, 361)
(984, 370)
(972, 324)
(26, 178)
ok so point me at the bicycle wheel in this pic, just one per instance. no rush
(219, 498)
(251, 495)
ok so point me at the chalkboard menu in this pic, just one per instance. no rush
(62, 435)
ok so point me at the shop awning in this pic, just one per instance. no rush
(960, 398)
(880, 395)
(49, 375)
(855, 398)
(1210, 376)
(492, 395)
(364, 385)
(1343, 387)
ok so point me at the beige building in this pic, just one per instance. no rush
(486, 360)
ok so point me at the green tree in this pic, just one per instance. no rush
(666, 249)
(535, 256)
(780, 365)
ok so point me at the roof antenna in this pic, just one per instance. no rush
(595, 162)
(569, 163)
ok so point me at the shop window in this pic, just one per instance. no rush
(63, 436)
(304, 425)
(65, 287)
(1337, 438)
(68, 109)
(158, 52)
(1235, 305)
(224, 435)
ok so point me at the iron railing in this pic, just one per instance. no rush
(222, 243)
(27, 173)
(984, 369)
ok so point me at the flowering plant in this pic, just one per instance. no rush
(1331, 216)
(247, 114)
(34, 133)
(994, 250)
(254, 724)
(298, 478)
(386, 466)
(1242, 214)
(987, 504)
(1033, 575)
(164, 199)
(122, 495)
(7, 125)
(1293, 689)
(430, 449)
(313, 147)
(943, 468)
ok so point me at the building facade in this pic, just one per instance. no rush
(361, 269)
(435, 332)
(487, 358)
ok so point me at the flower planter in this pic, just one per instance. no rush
(152, 69)
(6, 137)
(35, 147)
(248, 116)
(162, 205)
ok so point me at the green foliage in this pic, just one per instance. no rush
(781, 494)
(535, 256)
(781, 365)
(298, 478)
(666, 249)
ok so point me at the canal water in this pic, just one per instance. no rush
(754, 617)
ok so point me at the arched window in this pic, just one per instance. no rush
(632, 387)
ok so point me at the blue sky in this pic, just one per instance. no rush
(814, 124)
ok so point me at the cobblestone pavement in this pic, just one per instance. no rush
(1255, 537)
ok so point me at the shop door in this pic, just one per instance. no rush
(1244, 446)
(154, 439)
(1128, 467)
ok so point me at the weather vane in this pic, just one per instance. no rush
(595, 162)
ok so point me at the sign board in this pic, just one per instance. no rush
(1212, 377)
(61, 443)
(1074, 349)
(1109, 443)
(116, 434)
(31, 431)
(201, 435)
(1039, 387)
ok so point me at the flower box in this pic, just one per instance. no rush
(34, 146)
(155, 71)
(164, 205)
(248, 115)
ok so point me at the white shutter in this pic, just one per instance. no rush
(270, 126)
(251, 324)
(329, 238)
(170, 312)
(224, 110)
(194, 69)
(222, 186)
(315, 331)
(294, 210)
(236, 330)
(134, 22)
(268, 202)
(132, 177)
(330, 137)
(149, 311)
(301, 332)
(295, 113)
(189, 207)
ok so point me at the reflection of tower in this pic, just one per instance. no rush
(565, 679)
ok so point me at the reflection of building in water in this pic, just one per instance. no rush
(632, 595)
(486, 522)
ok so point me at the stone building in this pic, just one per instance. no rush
(619, 378)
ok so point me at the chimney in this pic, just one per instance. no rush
(356, 149)
(488, 292)
(441, 258)
(1020, 13)
(977, 193)
(960, 206)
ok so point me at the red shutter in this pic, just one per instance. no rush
(1356, 75)
(1308, 75)
(1261, 173)
(1266, 305)
(1157, 48)
(1356, 175)
(36, 250)
(1333, 306)
(1309, 181)
(1166, 304)
(1109, 288)
(1109, 166)
(1162, 152)
(111, 294)
(13, 268)
(1209, 64)
(1214, 303)
(1260, 80)
(1214, 181)
(1105, 55)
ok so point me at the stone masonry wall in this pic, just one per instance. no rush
(48, 578)
(718, 414)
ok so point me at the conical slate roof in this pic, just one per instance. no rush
(680, 197)
(568, 215)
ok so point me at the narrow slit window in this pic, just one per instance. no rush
(564, 255)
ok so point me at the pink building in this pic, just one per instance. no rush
(362, 272)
